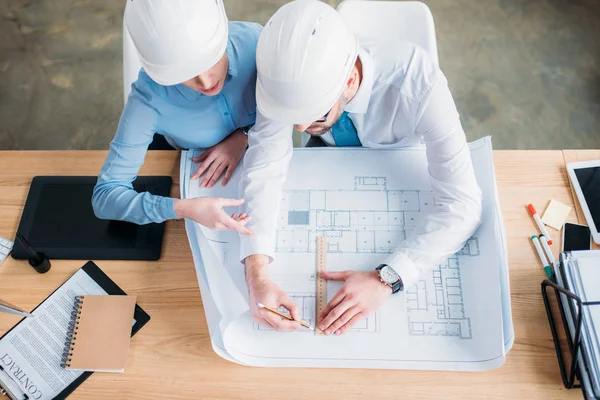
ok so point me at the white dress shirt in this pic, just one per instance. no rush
(403, 100)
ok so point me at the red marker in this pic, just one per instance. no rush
(539, 222)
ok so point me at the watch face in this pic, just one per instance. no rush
(388, 275)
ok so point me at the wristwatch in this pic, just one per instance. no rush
(390, 277)
(245, 130)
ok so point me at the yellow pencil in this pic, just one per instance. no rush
(274, 311)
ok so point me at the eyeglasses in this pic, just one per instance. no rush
(324, 118)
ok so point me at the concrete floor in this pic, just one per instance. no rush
(526, 72)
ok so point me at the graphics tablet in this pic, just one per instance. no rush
(585, 177)
(59, 221)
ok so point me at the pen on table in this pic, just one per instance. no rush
(10, 309)
(539, 222)
(538, 248)
(548, 251)
(546, 248)
(274, 311)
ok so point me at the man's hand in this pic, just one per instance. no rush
(208, 211)
(221, 158)
(361, 294)
(262, 290)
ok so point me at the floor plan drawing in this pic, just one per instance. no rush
(372, 219)
(366, 219)
(435, 305)
(368, 202)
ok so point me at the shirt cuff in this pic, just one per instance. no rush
(166, 208)
(250, 245)
(405, 268)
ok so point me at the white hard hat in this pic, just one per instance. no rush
(304, 58)
(177, 40)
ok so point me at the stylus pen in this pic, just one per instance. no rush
(539, 222)
(274, 311)
(33, 255)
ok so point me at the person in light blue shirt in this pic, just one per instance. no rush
(197, 88)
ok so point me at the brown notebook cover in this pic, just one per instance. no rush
(101, 333)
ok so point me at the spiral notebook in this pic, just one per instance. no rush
(35, 347)
(99, 333)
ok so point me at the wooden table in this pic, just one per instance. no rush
(172, 356)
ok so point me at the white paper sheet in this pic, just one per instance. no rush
(458, 316)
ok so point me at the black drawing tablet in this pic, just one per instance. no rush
(58, 220)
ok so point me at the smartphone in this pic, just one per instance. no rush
(576, 237)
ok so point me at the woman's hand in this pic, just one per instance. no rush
(221, 158)
(208, 211)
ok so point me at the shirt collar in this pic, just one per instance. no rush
(360, 101)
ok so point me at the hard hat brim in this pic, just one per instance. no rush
(176, 73)
(283, 113)
(299, 114)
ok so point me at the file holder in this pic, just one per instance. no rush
(568, 375)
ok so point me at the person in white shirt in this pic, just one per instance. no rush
(313, 74)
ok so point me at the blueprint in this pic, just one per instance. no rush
(457, 317)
